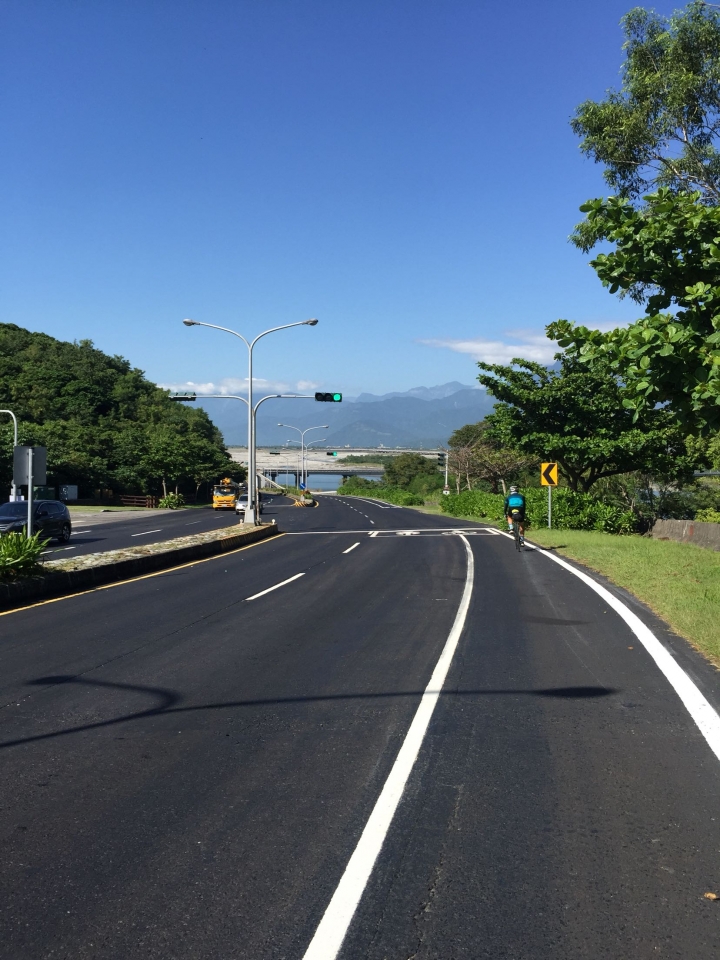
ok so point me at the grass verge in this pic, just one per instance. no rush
(678, 581)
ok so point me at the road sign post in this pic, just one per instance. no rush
(29, 467)
(549, 479)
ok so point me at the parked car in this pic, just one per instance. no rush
(50, 517)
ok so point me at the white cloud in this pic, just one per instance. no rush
(528, 345)
(232, 386)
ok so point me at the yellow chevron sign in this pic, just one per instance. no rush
(549, 474)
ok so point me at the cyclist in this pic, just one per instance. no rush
(514, 508)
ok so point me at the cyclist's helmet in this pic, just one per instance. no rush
(513, 489)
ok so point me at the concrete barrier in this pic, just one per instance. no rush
(62, 583)
(688, 531)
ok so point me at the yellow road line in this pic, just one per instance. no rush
(144, 576)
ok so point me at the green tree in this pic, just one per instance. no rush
(406, 467)
(476, 455)
(100, 418)
(667, 254)
(468, 435)
(661, 127)
(578, 419)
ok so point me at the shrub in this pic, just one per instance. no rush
(20, 555)
(708, 516)
(360, 487)
(570, 510)
(172, 501)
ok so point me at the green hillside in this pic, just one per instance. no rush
(104, 424)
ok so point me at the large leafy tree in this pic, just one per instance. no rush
(659, 133)
(578, 419)
(668, 255)
(661, 128)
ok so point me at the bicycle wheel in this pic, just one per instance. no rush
(516, 530)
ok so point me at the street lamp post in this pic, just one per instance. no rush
(302, 442)
(13, 489)
(250, 513)
(306, 447)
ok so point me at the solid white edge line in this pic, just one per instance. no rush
(701, 711)
(350, 549)
(330, 934)
(277, 586)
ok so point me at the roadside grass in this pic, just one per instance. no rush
(678, 581)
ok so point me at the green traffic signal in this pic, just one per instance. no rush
(331, 453)
(329, 397)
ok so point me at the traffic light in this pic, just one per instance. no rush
(331, 453)
(183, 397)
(442, 457)
(329, 397)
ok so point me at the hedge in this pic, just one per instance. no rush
(570, 510)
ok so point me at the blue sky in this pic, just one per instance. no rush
(404, 171)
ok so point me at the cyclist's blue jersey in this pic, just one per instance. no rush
(514, 501)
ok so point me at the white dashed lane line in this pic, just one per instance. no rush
(146, 532)
(276, 587)
(350, 549)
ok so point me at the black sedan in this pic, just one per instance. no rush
(51, 518)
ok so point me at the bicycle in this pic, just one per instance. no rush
(516, 528)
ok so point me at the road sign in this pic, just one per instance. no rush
(21, 464)
(549, 474)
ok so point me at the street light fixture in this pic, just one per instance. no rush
(250, 513)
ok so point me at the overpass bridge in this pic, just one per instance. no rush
(273, 461)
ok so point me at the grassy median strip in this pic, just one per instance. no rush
(678, 581)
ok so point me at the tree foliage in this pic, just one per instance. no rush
(103, 422)
(475, 455)
(406, 467)
(577, 418)
(661, 127)
(667, 254)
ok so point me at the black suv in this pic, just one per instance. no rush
(51, 518)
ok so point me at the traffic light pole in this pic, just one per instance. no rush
(192, 397)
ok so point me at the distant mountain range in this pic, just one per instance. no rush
(421, 417)
(422, 393)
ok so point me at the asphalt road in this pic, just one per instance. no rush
(188, 771)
